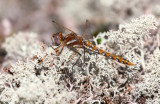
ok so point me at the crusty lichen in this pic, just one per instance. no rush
(40, 76)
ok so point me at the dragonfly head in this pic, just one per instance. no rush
(57, 38)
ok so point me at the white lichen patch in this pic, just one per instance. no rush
(41, 76)
(31, 81)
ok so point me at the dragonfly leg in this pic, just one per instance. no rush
(58, 52)
(84, 56)
(76, 51)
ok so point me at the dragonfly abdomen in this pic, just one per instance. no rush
(95, 49)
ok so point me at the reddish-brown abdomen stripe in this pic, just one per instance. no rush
(125, 61)
(120, 59)
(88, 43)
(114, 57)
(101, 51)
(108, 54)
(94, 47)
(129, 63)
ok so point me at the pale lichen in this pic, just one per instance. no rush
(40, 76)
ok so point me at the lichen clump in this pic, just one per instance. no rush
(40, 76)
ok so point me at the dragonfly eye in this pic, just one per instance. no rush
(57, 38)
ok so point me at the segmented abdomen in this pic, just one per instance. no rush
(95, 49)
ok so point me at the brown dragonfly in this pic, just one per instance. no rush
(73, 42)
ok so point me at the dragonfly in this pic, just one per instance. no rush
(73, 41)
